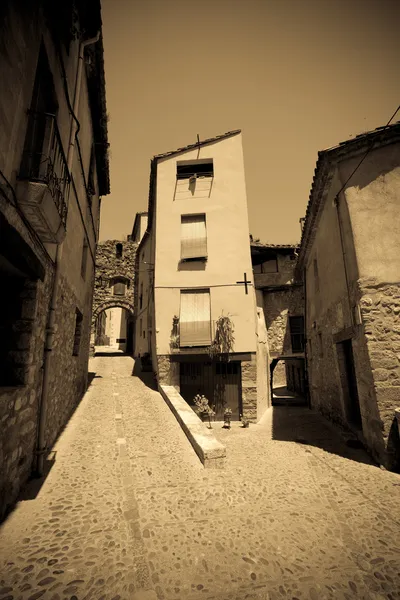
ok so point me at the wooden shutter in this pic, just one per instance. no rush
(195, 324)
(193, 237)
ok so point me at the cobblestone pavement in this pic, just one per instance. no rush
(127, 512)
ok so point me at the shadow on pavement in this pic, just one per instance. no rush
(147, 377)
(305, 426)
(92, 375)
(34, 484)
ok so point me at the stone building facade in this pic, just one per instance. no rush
(282, 299)
(52, 175)
(349, 258)
(114, 285)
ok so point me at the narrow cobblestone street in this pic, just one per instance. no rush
(128, 512)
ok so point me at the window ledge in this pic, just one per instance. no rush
(202, 258)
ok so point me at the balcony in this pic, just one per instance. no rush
(44, 179)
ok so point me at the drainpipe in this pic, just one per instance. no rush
(49, 343)
(337, 199)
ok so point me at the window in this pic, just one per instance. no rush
(186, 169)
(224, 369)
(141, 296)
(118, 251)
(195, 323)
(296, 326)
(78, 332)
(84, 258)
(193, 237)
(39, 139)
(141, 326)
(268, 266)
(144, 333)
(119, 288)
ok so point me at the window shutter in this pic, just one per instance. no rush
(119, 289)
(195, 324)
(193, 237)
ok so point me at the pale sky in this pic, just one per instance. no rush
(296, 76)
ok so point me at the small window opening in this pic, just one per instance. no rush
(78, 333)
(119, 288)
(118, 251)
(84, 258)
(186, 169)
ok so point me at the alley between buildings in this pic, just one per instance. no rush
(128, 512)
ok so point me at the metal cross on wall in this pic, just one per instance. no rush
(246, 282)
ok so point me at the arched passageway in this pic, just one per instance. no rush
(112, 327)
(288, 381)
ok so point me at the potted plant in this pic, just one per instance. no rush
(204, 410)
(227, 417)
(245, 422)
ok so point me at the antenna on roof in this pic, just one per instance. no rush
(198, 141)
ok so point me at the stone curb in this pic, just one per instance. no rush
(210, 451)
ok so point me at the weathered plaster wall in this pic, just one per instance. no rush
(144, 314)
(328, 310)
(372, 200)
(228, 254)
(263, 375)
(370, 227)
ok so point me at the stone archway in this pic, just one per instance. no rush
(115, 263)
(111, 303)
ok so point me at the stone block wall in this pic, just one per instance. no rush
(109, 266)
(249, 388)
(168, 371)
(380, 309)
(19, 405)
(278, 306)
(323, 371)
(68, 380)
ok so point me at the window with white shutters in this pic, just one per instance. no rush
(195, 319)
(193, 237)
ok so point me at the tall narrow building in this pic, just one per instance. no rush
(196, 316)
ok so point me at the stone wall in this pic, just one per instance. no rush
(108, 267)
(19, 405)
(168, 371)
(323, 370)
(278, 307)
(68, 380)
(380, 309)
(32, 258)
(249, 388)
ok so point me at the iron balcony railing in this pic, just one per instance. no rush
(44, 160)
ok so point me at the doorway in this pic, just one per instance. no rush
(349, 383)
(220, 382)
